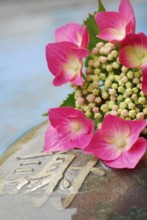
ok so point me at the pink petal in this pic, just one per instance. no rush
(73, 125)
(133, 51)
(73, 32)
(126, 10)
(112, 35)
(136, 126)
(101, 148)
(65, 62)
(59, 116)
(114, 127)
(112, 26)
(144, 81)
(83, 37)
(54, 141)
(57, 53)
(82, 139)
(130, 159)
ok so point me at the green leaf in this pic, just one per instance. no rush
(69, 101)
(92, 27)
(45, 114)
(100, 6)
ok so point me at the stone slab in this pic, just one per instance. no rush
(102, 194)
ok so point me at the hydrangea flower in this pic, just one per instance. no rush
(65, 62)
(69, 129)
(114, 26)
(133, 54)
(108, 95)
(117, 143)
(74, 33)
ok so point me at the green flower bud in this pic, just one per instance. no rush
(90, 63)
(124, 69)
(115, 65)
(109, 68)
(112, 92)
(97, 71)
(131, 105)
(114, 53)
(145, 111)
(98, 100)
(128, 85)
(96, 64)
(142, 100)
(114, 85)
(123, 105)
(103, 76)
(130, 75)
(99, 45)
(121, 89)
(105, 95)
(97, 115)
(95, 92)
(132, 113)
(128, 91)
(135, 90)
(104, 108)
(120, 98)
(88, 114)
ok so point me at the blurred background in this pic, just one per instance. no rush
(26, 26)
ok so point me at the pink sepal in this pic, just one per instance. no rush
(126, 10)
(73, 32)
(136, 127)
(130, 159)
(101, 148)
(132, 51)
(61, 58)
(112, 26)
(69, 129)
(55, 141)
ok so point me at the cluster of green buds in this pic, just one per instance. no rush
(110, 88)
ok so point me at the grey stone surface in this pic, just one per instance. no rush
(26, 89)
(118, 195)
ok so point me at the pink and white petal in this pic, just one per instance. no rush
(61, 78)
(113, 128)
(78, 80)
(73, 32)
(61, 117)
(69, 75)
(144, 81)
(130, 159)
(133, 51)
(136, 126)
(83, 138)
(83, 37)
(126, 10)
(52, 62)
(79, 52)
(112, 35)
(101, 148)
(68, 33)
(106, 20)
(128, 57)
(54, 141)
(130, 28)
(57, 53)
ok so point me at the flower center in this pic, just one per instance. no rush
(120, 143)
(76, 127)
(74, 66)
